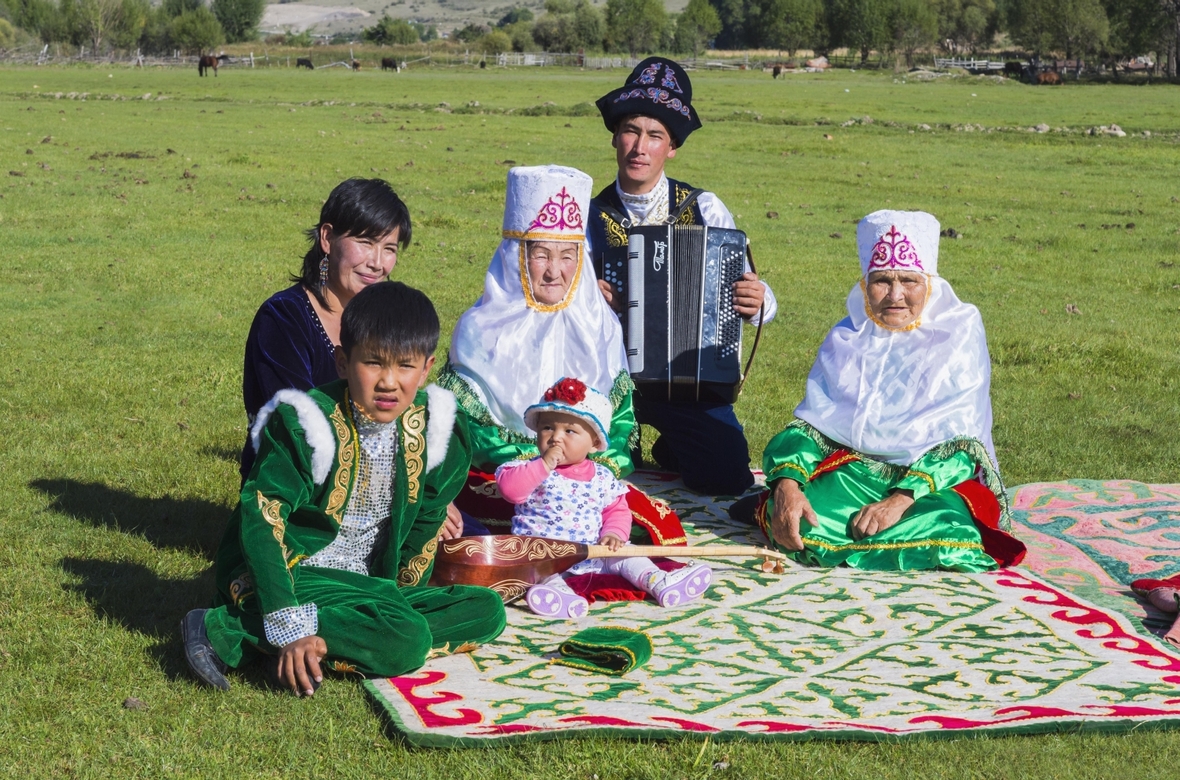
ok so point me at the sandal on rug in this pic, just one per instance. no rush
(199, 653)
(553, 601)
(682, 585)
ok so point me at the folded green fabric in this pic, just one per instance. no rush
(613, 651)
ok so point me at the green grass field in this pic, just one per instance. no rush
(140, 235)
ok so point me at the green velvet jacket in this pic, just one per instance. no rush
(493, 445)
(295, 496)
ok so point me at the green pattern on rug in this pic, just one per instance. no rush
(812, 653)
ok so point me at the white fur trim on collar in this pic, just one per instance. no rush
(315, 428)
(442, 410)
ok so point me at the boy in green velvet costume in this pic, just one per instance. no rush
(328, 553)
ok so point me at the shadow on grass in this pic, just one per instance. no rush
(227, 454)
(179, 523)
(140, 600)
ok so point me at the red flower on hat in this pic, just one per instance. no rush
(568, 390)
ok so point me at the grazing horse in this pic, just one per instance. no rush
(356, 65)
(209, 61)
(304, 62)
(388, 63)
(778, 70)
(1049, 77)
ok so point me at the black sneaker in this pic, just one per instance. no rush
(199, 653)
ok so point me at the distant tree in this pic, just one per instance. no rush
(790, 25)
(861, 25)
(8, 34)
(239, 18)
(1171, 12)
(589, 26)
(471, 33)
(426, 33)
(195, 32)
(1073, 27)
(697, 24)
(913, 25)
(156, 37)
(967, 24)
(175, 8)
(40, 18)
(128, 29)
(635, 26)
(390, 32)
(95, 20)
(514, 16)
(301, 39)
(521, 35)
(566, 26)
(494, 42)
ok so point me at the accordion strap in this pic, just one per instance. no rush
(758, 332)
(685, 205)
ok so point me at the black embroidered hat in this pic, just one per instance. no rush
(659, 88)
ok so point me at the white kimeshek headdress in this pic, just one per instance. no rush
(510, 348)
(894, 394)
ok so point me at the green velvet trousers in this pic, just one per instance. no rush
(936, 532)
(370, 625)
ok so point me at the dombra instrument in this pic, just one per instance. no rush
(510, 564)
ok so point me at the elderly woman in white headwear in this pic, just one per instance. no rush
(890, 463)
(541, 318)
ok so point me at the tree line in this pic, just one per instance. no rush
(1107, 30)
(188, 25)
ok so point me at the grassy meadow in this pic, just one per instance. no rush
(143, 226)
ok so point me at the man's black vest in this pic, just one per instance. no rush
(605, 231)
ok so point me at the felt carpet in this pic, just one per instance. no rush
(1057, 645)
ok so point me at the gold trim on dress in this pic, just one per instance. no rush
(794, 466)
(929, 479)
(413, 445)
(863, 546)
(345, 460)
(412, 572)
(864, 293)
(526, 283)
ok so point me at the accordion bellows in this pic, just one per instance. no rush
(683, 337)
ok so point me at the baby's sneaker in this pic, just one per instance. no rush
(550, 601)
(677, 587)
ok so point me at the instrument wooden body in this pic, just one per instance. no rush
(509, 564)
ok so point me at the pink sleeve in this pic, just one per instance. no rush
(517, 481)
(616, 519)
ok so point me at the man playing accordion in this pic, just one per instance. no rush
(650, 117)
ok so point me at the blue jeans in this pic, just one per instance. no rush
(703, 442)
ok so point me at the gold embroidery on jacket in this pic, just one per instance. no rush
(687, 218)
(272, 514)
(412, 572)
(345, 459)
(241, 589)
(615, 235)
(413, 432)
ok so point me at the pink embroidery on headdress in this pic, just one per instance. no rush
(561, 212)
(894, 250)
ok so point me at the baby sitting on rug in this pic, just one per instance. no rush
(564, 495)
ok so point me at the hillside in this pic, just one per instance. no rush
(331, 16)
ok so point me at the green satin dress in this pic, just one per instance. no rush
(936, 532)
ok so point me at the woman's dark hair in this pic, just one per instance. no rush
(362, 208)
(391, 318)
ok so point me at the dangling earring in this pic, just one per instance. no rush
(323, 273)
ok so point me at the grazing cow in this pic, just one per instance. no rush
(304, 62)
(1049, 77)
(356, 65)
(208, 61)
(1014, 69)
(778, 70)
(388, 63)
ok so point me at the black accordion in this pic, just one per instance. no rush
(683, 337)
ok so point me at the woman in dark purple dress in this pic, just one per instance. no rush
(294, 335)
